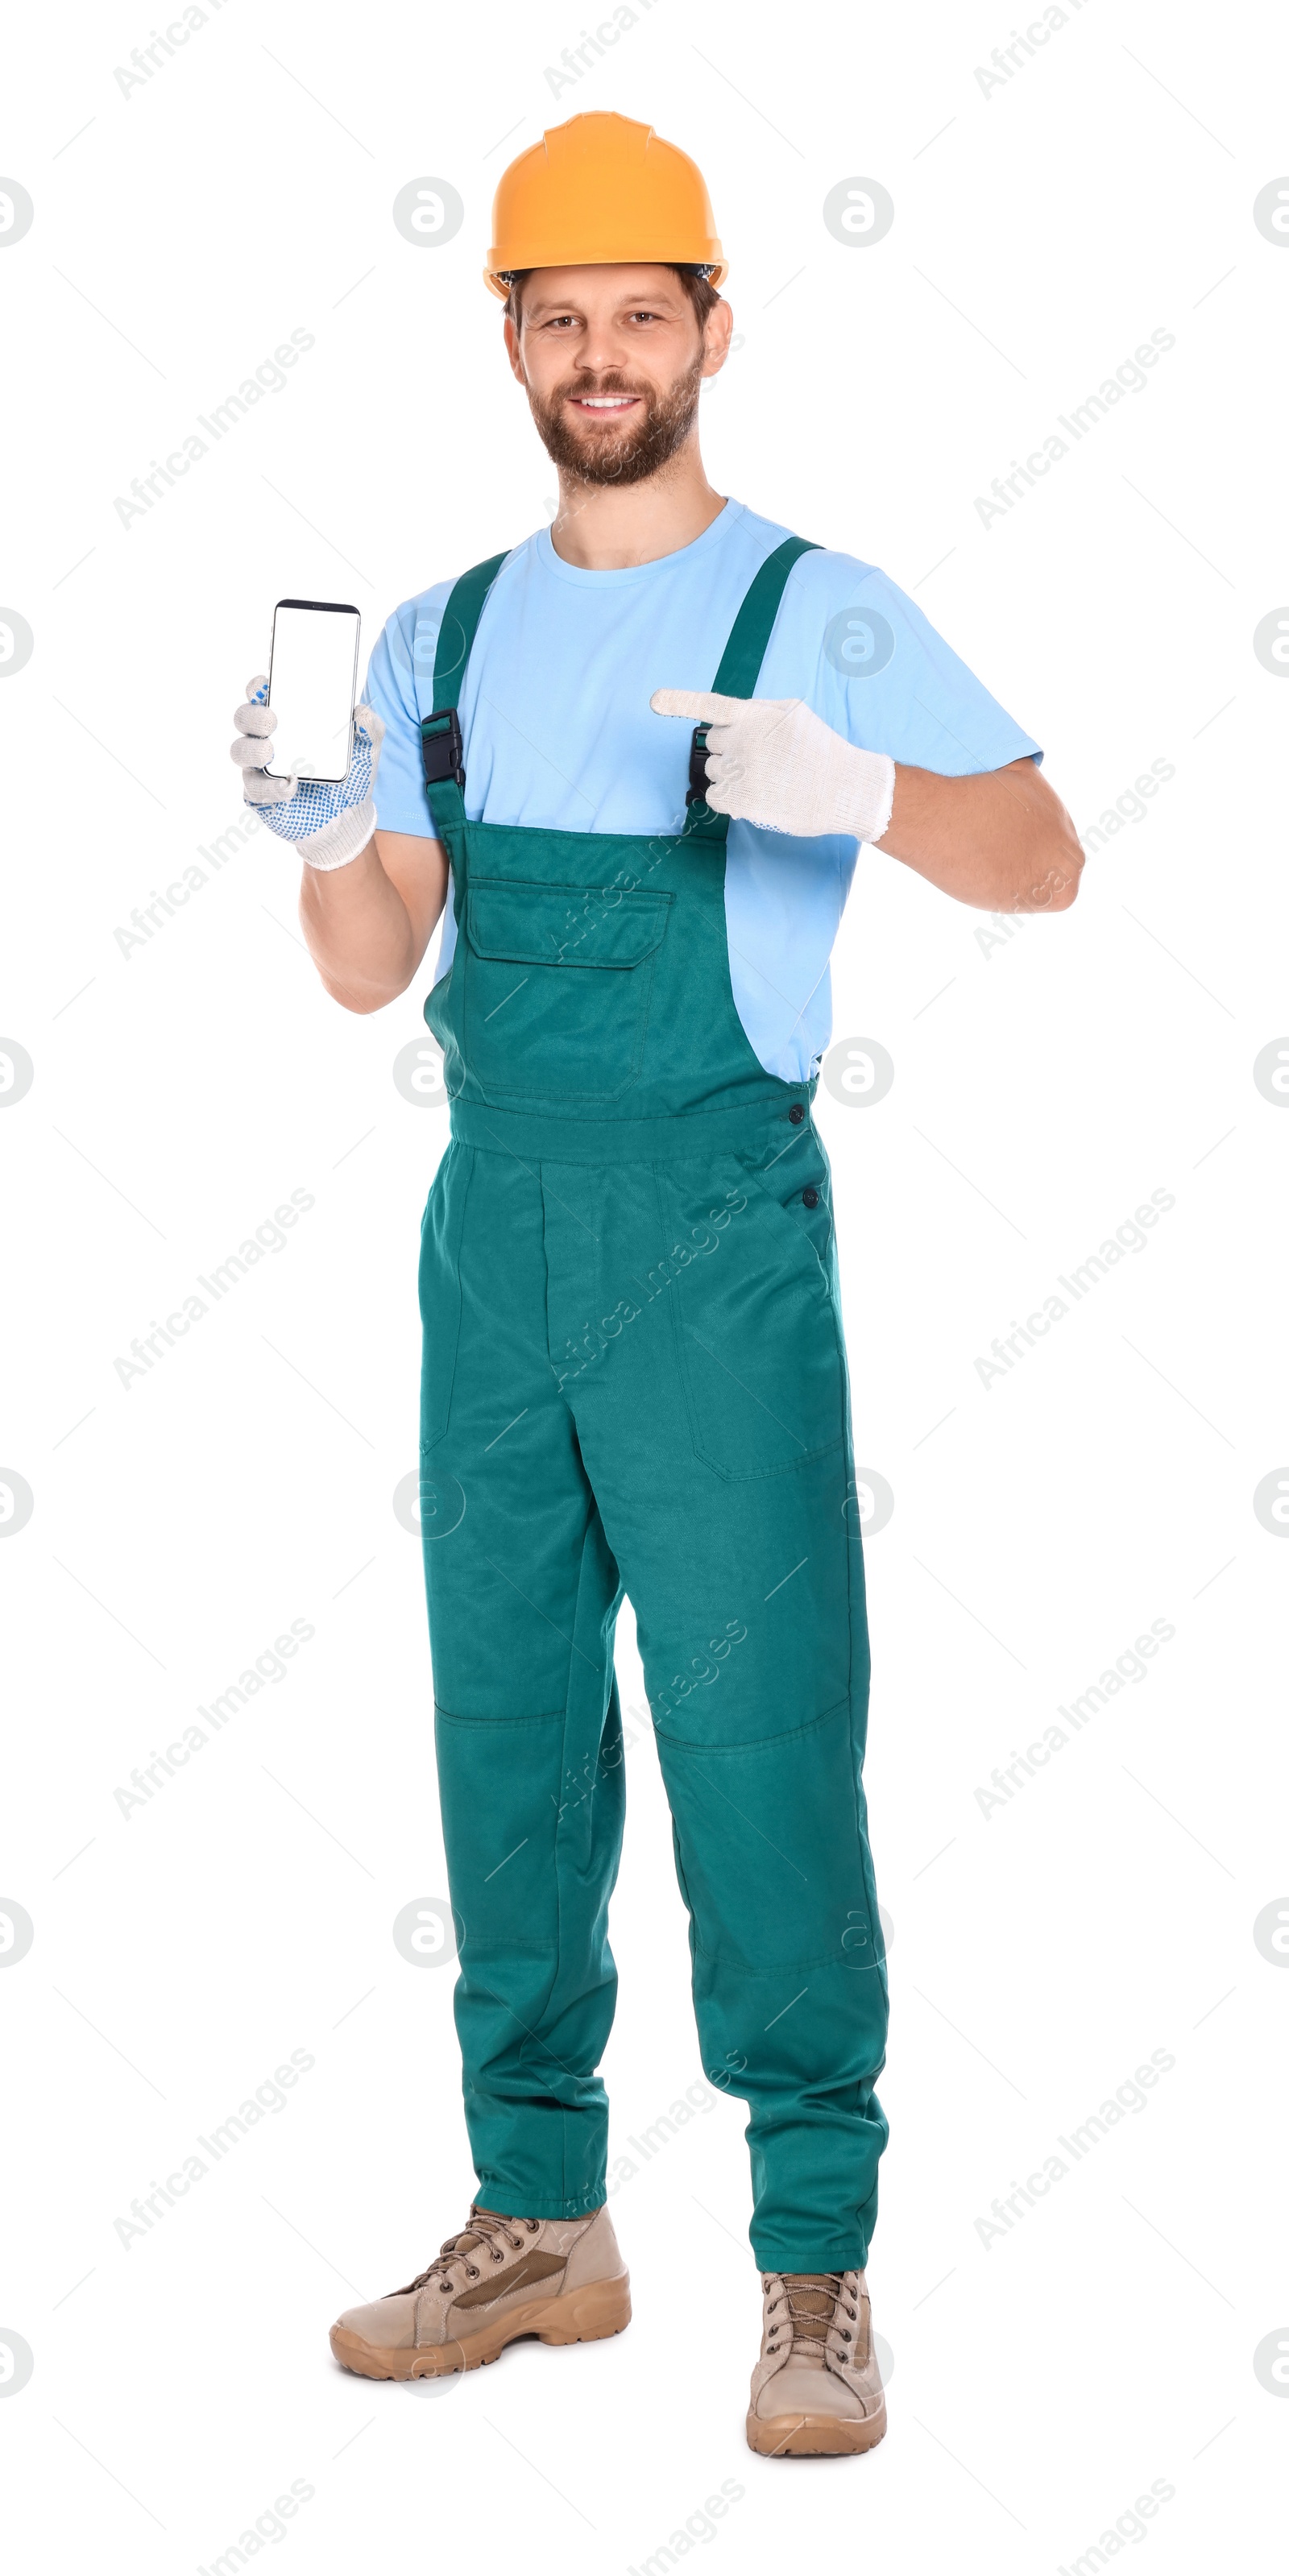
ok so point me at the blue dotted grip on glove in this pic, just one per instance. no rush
(317, 802)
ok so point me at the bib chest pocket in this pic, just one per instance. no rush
(557, 988)
(558, 983)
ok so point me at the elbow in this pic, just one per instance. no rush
(362, 1000)
(1053, 877)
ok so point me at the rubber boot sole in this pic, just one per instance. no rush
(802, 2436)
(587, 2315)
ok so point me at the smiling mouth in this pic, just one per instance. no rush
(603, 403)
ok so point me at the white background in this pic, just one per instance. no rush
(1043, 1090)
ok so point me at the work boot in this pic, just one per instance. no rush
(816, 2386)
(562, 2279)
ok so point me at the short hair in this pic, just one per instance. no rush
(696, 282)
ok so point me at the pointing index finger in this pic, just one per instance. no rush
(701, 706)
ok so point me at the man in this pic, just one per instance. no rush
(634, 1376)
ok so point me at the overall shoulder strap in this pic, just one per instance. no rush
(740, 666)
(457, 632)
(441, 752)
(740, 669)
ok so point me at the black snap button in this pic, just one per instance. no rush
(796, 1113)
(810, 1198)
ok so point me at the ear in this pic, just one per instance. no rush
(716, 337)
(510, 333)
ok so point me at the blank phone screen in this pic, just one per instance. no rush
(312, 674)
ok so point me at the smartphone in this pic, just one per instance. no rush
(313, 677)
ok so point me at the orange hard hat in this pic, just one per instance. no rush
(602, 190)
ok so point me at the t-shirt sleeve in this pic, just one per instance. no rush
(391, 689)
(889, 682)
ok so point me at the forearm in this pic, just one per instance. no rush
(1000, 840)
(359, 932)
(369, 899)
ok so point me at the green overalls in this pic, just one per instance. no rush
(635, 1383)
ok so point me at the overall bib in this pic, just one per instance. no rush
(635, 1383)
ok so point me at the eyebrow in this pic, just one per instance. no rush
(534, 307)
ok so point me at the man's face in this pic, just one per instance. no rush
(611, 360)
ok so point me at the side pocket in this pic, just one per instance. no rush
(756, 1327)
(440, 1288)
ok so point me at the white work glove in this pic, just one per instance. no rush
(774, 762)
(329, 824)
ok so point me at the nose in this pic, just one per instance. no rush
(601, 354)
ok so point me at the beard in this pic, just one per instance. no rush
(619, 454)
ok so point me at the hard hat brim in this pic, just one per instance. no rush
(499, 263)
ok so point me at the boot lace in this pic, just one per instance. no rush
(803, 2309)
(484, 2234)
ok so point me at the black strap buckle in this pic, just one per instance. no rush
(698, 767)
(442, 751)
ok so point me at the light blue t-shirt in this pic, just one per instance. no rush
(559, 733)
